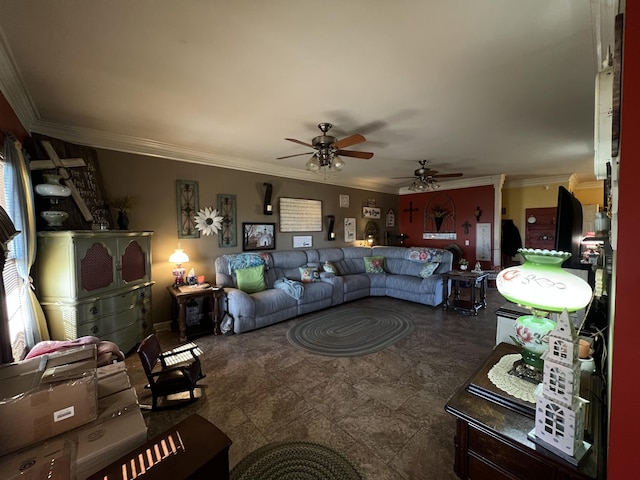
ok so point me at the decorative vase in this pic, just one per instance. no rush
(438, 222)
(464, 267)
(123, 220)
(52, 187)
(543, 286)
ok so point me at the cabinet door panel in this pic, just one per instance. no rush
(96, 269)
(135, 260)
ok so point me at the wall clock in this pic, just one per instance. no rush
(227, 210)
(532, 219)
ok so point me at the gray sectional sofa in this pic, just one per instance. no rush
(404, 269)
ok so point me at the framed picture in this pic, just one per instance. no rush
(302, 241)
(227, 210)
(344, 201)
(391, 218)
(371, 212)
(349, 229)
(300, 215)
(258, 236)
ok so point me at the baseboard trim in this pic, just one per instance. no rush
(161, 326)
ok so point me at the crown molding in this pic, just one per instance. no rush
(143, 146)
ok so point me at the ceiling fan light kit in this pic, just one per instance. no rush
(329, 149)
(425, 179)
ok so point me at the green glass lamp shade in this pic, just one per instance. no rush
(543, 286)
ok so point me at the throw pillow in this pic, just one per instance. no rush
(374, 264)
(428, 269)
(309, 274)
(251, 280)
(330, 267)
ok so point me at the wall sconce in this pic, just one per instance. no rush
(331, 235)
(402, 237)
(267, 208)
(478, 213)
(178, 257)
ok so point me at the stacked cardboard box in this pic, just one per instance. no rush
(116, 427)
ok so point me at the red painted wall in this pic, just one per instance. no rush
(624, 426)
(465, 200)
(9, 120)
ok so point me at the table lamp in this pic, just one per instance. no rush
(178, 257)
(541, 285)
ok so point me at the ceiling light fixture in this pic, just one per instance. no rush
(326, 160)
(424, 184)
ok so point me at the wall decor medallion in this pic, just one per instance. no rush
(371, 212)
(258, 236)
(227, 209)
(187, 200)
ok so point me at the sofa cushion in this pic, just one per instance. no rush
(251, 280)
(428, 269)
(309, 274)
(374, 264)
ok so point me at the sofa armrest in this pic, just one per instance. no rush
(239, 302)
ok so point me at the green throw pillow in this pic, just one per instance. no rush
(428, 269)
(374, 264)
(309, 274)
(251, 279)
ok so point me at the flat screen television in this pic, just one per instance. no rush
(569, 227)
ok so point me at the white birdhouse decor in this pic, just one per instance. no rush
(559, 422)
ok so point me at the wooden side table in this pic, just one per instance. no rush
(473, 280)
(491, 439)
(182, 296)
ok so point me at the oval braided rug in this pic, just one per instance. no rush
(294, 461)
(349, 331)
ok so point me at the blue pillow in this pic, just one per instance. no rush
(428, 269)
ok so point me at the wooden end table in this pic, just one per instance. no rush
(472, 280)
(182, 295)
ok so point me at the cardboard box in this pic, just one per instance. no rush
(51, 460)
(101, 443)
(112, 379)
(117, 404)
(46, 396)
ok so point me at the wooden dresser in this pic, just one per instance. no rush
(96, 283)
(491, 433)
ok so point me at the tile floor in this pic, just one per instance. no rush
(385, 411)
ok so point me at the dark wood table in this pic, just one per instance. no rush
(454, 281)
(491, 439)
(182, 295)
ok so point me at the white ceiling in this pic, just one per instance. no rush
(483, 87)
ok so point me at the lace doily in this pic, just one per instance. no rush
(514, 386)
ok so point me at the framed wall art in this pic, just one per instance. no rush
(302, 241)
(300, 215)
(187, 200)
(227, 210)
(349, 229)
(371, 212)
(391, 218)
(258, 236)
(344, 201)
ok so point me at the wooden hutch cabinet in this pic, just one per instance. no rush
(540, 230)
(96, 283)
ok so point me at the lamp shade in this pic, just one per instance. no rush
(541, 283)
(178, 257)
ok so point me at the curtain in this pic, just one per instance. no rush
(21, 210)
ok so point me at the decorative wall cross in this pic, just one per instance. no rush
(411, 210)
(61, 165)
(466, 226)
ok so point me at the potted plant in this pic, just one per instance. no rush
(463, 263)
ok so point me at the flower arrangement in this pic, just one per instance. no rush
(122, 204)
(208, 221)
(463, 261)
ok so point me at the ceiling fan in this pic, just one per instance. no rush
(329, 149)
(425, 178)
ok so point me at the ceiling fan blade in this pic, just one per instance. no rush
(300, 142)
(350, 140)
(398, 178)
(296, 155)
(352, 153)
(447, 175)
